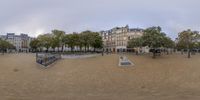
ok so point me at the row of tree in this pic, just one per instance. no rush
(5, 45)
(154, 38)
(58, 39)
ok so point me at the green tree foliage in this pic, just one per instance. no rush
(4, 45)
(45, 41)
(85, 37)
(168, 43)
(154, 38)
(80, 41)
(96, 40)
(187, 40)
(59, 38)
(72, 40)
(135, 43)
(35, 44)
(54, 43)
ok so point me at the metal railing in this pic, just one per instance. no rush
(46, 59)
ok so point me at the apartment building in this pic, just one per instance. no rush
(116, 39)
(21, 42)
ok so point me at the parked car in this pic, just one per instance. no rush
(155, 50)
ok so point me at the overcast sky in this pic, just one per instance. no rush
(41, 16)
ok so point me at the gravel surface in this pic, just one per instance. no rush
(169, 77)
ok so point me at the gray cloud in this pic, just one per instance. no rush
(41, 16)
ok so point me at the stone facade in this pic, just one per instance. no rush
(21, 42)
(116, 39)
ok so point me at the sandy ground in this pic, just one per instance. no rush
(169, 77)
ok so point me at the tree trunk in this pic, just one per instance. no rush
(54, 49)
(85, 48)
(171, 51)
(41, 50)
(167, 51)
(3, 52)
(72, 49)
(189, 53)
(62, 48)
(102, 52)
(154, 54)
(136, 52)
(88, 49)
(47, 50)
(80, 48)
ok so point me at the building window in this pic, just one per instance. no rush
(129, 38)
